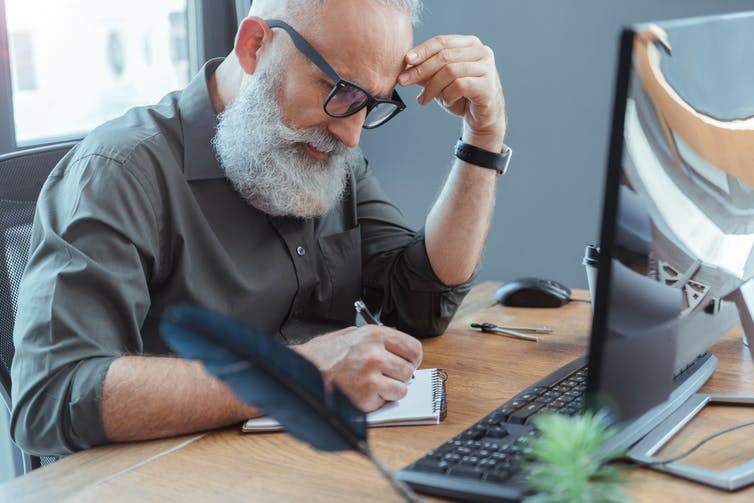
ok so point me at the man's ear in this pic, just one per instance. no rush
(252, 35)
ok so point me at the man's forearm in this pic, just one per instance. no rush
(459, 73)
(457, 226)
(150, 397)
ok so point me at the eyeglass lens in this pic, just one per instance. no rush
(379, 114)
(347, 100)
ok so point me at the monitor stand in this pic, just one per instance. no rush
(733, 478)
(744, 299)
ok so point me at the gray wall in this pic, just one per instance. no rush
(557, 62)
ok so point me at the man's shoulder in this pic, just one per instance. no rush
(143, 136)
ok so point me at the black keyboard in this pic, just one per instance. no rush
(482, 463)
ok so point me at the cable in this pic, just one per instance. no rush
(689, 451)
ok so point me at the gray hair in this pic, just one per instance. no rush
(293, 8)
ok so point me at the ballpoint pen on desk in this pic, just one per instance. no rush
(515, 332)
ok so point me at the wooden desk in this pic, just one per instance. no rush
(484, 371)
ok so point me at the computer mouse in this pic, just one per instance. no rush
(533, 292)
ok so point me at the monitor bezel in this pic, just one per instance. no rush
(609, 216)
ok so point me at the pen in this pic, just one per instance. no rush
(363, 310)
(491, 328)
(536, 330)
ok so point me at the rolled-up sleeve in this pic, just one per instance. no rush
(82, 300)
(397, 275)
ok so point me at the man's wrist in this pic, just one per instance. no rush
(493, 145)
(497, 159)
(488, 140)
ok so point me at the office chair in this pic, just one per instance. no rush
(21, 177)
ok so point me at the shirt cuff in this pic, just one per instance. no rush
(87, 428)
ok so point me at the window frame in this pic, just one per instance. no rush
(213, 20)
(7, 126)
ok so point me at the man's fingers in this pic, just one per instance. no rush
(452, 67)
(397, 368)
(403, 345)
(371, 363)
(429, 48)
(421, 73)
(376, 391)
(455, 107)
(392, 389)
(455, 74)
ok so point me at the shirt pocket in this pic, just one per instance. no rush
(341, 253)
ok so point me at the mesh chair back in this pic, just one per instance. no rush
(22, 175)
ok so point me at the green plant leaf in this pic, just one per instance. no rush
(566, 464)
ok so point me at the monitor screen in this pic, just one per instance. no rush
(678, 218)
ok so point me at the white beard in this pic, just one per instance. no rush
(265, 160)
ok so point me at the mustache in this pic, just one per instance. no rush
(319, 138)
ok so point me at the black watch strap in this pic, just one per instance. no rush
(484, 158)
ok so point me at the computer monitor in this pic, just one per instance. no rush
(677, 233)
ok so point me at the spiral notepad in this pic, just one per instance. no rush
(425, 403)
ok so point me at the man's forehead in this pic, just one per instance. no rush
(365, 41)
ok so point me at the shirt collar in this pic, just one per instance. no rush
(199, 122)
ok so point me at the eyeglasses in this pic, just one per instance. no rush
(346, 98)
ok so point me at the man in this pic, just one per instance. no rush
(266, 211)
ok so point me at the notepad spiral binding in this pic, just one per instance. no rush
(439, 398)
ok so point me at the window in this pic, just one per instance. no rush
(78, 63)
(24, 74)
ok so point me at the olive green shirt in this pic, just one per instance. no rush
(139, 216)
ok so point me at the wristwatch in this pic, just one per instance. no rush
(484, 158)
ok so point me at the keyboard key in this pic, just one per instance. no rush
(469, 460)
(487, 463)
(544, 399)
(452, 457)
(516, 404)
(497, 432)
(522, 414)
(470, 472)
(498, 476)
(431, 466)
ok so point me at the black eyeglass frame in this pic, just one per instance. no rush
(370, 103)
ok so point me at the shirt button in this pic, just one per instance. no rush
(301, 251)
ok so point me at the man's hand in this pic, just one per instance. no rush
(372, 364)
(459, 72)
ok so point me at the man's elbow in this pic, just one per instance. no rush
(435, 328)
(25, 441)
(37, 433)
(58, 412)
(425, 329)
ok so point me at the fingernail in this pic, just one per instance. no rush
(412, 56)
(403, 78)
(420, 98)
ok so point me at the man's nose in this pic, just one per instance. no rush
(348, 129)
